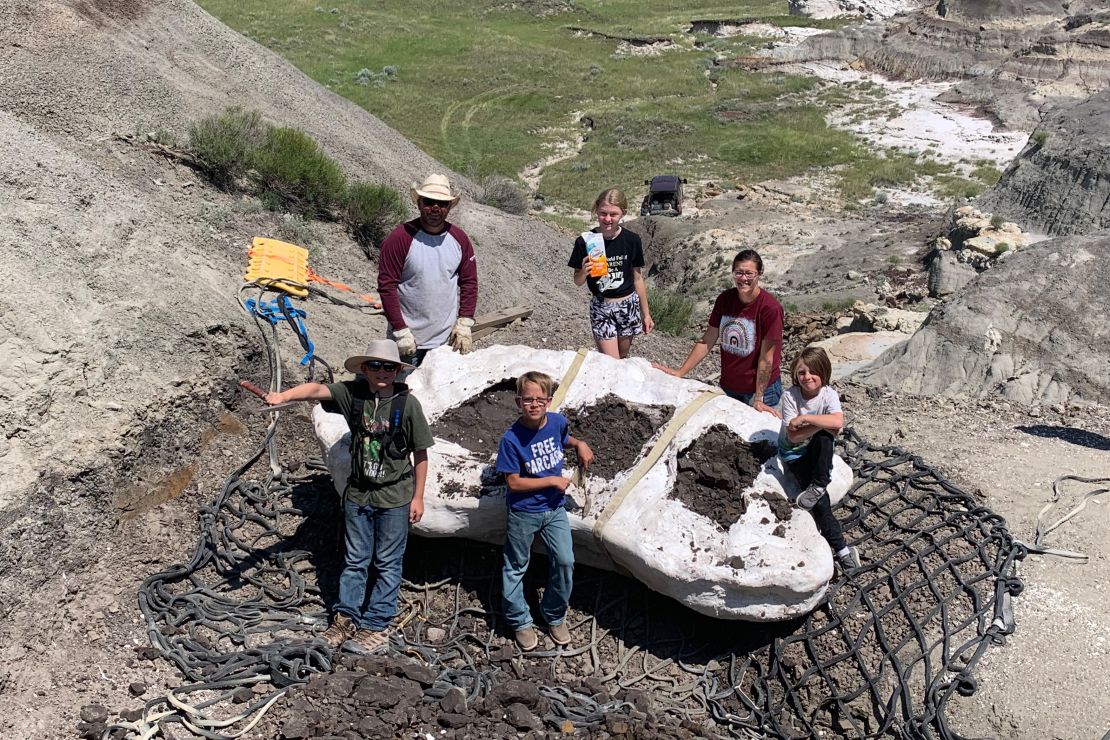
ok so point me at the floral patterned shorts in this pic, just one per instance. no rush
(622, 318)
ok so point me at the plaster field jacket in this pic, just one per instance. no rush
(426, 281)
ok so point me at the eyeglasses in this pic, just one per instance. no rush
(745, 275)
(376, 365)
(428, 203)
(533, 400)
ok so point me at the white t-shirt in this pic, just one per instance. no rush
(827, 401)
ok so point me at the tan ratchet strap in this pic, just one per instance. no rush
(568, 378)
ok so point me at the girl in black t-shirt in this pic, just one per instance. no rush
(619, 307)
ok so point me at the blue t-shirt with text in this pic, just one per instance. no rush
(534, 453)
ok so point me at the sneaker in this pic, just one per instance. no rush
(849, 560)
(368, 642)
(527, 639)
(560, 635)
(340, 630)
(808, 498)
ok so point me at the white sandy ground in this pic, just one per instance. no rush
(948, 133)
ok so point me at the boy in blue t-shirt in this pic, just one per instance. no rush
(531, 458)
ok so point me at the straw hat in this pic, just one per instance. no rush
(384, 350)
(435, 187)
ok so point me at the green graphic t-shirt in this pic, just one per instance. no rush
(396, 475)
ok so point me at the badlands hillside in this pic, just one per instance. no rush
(122, 339)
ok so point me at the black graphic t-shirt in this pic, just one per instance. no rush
(624, 254)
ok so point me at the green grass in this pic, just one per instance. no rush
(489, 80)
(867, 172)
(954, 186)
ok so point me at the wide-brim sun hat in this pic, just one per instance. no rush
(383, 350)
(435, 187)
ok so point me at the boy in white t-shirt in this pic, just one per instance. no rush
(811, 417)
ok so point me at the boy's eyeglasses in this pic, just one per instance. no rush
(533, 400)
(375, 365)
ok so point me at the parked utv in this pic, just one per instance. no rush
(664, 196)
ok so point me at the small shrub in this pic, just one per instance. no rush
(292, 174)
(986, 173)
(503, 193)
(227, 144)
(1040, 137)
(997, 220)
(1003, 247)
(379, 79)
(161, 136)
(370, 212)
(671, 311)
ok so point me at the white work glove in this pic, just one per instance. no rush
(460, 339)
(406, 342)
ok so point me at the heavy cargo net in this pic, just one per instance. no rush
(882, 657)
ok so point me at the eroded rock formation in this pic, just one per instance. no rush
(1032, 329)
(1012, 59)
(1060, 182)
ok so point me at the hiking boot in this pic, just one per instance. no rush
(808, 498)
(527, 639)
(368, 642)
(340, 630)
(849, 560)
(560, 635)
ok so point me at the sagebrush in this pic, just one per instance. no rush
(291, 173)
(671, 311)
(370, 211)
(227, 144)
(503, 193)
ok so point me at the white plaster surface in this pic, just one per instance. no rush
(650, 536)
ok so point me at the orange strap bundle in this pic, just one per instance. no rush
(371, 299)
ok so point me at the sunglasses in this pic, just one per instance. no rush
(438, 203)
(376, 365)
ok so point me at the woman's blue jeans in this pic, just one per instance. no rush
(553, 527)
(771, 394)
(375, 538)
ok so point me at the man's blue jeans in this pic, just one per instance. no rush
(520, 529)
(771, 394)
(375, 537)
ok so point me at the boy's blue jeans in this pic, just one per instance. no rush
(375, 537)
(520, 529)
(771, 394)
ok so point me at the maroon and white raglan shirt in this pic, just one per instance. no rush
(426, 281)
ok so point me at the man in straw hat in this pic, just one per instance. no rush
(427, 276)
(390, 439)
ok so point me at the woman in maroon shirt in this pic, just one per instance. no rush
(748, 322)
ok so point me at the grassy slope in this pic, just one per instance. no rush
(486, 86)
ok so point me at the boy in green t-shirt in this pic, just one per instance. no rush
(389, 464)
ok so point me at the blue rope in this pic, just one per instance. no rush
(281, 309)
